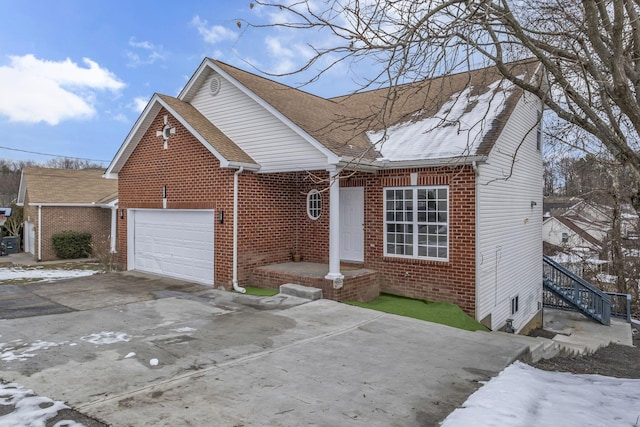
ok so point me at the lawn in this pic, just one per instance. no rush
(261, 292)
(438, 312)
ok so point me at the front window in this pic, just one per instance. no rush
(314, 204)
(417, 222)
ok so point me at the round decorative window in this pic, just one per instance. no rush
(314, 204)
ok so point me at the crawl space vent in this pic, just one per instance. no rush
(214, 86)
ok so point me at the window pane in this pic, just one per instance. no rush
(416, 222)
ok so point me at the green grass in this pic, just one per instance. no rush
(444, 313)
(261, 292)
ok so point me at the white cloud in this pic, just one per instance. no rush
(150, 53)
(212, 34)
(283, 59)
(35, 90)
(139, 103)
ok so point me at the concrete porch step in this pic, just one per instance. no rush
(301, 291)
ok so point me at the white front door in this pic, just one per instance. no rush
(352, 224)
(172, 242)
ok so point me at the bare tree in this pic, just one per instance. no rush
(590, 50)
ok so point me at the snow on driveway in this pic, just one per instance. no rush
(46, 275)
(525, 396)
(27, 409)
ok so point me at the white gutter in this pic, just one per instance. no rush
(235, 232)
(39, 232)
(76, 205)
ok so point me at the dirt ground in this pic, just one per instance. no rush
(615, 360)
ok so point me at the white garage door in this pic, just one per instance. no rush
(174, 243)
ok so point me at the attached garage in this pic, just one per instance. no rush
(172, 242)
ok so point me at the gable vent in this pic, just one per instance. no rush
(214, 85)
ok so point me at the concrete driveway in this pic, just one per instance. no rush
(133, 349)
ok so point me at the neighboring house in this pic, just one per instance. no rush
(572, 234)
(57, 200)
(443, 202)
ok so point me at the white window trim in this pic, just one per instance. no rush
(415, 217)
(319, 204)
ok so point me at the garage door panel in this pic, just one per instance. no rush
(175, 243)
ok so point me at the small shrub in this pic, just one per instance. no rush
(71, 244)
(108, 260)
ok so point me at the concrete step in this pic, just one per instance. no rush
(538, 347)
(301, 291)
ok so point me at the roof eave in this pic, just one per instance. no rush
(22, 190)
(444, 161)
(246, 166)
(138, 129)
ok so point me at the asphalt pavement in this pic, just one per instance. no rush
(132, 349)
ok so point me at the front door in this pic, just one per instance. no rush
(352, 224)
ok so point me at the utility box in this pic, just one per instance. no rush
(11, 244)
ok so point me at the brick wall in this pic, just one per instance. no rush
(96, 221)
(271, 206)
(273, 217)
(453, 280)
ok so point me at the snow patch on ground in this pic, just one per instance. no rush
(106, 337)
(21, 351)
(28, 409)
(14, 273)
(525, 396)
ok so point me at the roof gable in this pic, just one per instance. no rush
(447, 117)
(225, 150)
(65, 186)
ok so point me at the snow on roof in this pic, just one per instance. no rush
(457, 129)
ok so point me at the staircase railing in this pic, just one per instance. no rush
(575, 292)
(620, 305)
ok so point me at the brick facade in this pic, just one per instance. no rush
(56, 219)
(453, 280)
(273, 218)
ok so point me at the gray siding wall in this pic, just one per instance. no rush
(509, 228)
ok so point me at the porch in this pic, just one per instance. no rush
(358, 284)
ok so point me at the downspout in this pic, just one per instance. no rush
(114, 227)
(39, 232)
(479, 258)
(235, 232)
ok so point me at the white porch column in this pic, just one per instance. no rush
(334, 229)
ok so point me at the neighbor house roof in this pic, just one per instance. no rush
(65, 186)
(578, 230)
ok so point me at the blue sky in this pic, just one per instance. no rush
(75, 74)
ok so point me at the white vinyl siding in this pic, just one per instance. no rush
(263, 136)
(509, 225)
(417, 222)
